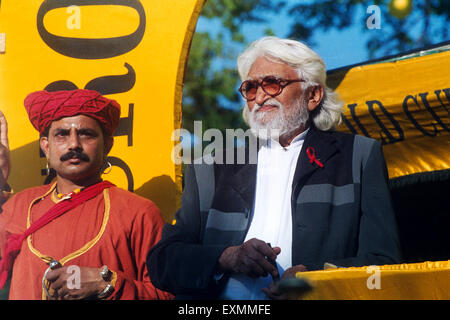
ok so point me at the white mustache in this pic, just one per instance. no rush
(271, 102)
(280, 123)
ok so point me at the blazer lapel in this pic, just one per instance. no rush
(322, 146)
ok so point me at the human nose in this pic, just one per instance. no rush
(261, 95)
(74, 141)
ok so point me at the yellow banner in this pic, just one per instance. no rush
(129, 50)
(408, 281)
(405, 105)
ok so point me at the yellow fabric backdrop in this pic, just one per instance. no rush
(427, 280)
(404, 104)
(136, 50)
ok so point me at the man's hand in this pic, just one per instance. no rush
(91, 283)
(274, 293)
(4, 151)
(249, 259)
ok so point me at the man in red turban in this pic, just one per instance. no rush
(79, 237)
(45, 107)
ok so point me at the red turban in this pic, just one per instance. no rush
(44, 107)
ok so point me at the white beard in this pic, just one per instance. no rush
(283, 122)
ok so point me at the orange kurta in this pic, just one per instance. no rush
(116, 228)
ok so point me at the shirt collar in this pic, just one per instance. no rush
(295, 143)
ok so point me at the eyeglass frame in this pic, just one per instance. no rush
(259, 84)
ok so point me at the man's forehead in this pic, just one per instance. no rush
(78, 121)
(264, 66)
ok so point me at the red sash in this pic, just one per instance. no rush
(14, 242)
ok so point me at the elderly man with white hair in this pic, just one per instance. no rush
(315, 196)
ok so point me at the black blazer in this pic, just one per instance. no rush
(342, 214)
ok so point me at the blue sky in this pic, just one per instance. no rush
(337, 48)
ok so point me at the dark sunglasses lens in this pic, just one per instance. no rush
(271, 85)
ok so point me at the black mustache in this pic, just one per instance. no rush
(75, 154)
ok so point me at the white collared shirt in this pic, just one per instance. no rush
(272, 214)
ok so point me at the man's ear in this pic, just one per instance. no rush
(109, 142)
(315, 97)
(43, 142)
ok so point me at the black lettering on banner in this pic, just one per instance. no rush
(348, 124)
(84, 48)
(114, 84)
(447, 95)
(423, 96)
(390, 138)
(104, 85)
(60, 85)
(125, 127)
(117, 162)
(355, 118)
(413, 120)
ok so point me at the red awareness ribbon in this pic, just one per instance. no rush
(312, 156)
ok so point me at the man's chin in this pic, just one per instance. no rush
(265, 133)
(265, 128)
(264, 118)
(77, 173)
